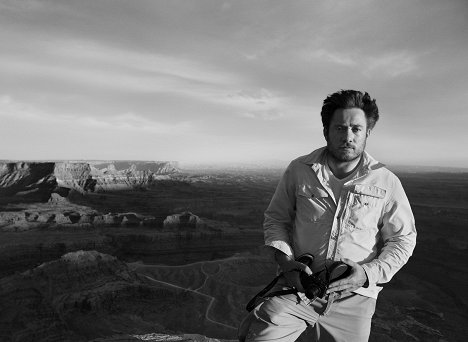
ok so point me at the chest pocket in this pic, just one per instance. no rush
(312, 204)
(365, 206)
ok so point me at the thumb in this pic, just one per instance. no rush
(303, 267)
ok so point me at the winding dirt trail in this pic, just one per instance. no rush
(211, 298)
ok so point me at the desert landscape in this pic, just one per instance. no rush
(147, 251)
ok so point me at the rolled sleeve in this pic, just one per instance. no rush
(398, 233)
(280, 214)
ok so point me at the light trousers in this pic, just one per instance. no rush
(284, 319)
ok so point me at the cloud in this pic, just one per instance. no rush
(392, 64)
(87, 52)
(123, 122)
(328, 56)
(266, 115)
(131, 121)
(11, 108)
(93, 64)
(258, 104)
(100, 69)
(104, 68)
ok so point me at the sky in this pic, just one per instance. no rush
(242, 81)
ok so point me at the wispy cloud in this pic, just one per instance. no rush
(101, 67)
(120, 121)
(258, 104)
(267, 115)
(18, 110)
(345, 59)
(87, 52)
(392, 64)
(131, 121)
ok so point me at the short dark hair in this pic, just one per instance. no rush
(345, 99)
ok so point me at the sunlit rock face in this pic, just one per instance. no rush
(44, 177)
(27, 179)
(184, 220)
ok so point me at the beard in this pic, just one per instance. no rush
(347, 152)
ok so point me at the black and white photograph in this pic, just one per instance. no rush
(233, 170)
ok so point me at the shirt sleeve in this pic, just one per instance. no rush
(280, 214)
(398, 233)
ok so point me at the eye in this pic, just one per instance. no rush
(356, 129)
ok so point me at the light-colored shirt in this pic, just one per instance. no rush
(370, 222)
(336, 184)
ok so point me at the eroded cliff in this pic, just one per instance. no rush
(27, 177)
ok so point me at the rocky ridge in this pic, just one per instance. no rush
(40, 194)
(59, 212)
(26, 177)
(86, 295)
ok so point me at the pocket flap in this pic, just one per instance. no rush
(308, 191)
(369, 190)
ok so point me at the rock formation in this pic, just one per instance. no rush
(67, 215)
(45, 186)
(27, 177)
(86, 295)
(184, 220)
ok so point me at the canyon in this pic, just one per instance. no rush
(147, 251)
(24, 178)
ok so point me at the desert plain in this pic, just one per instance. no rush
(138, 251)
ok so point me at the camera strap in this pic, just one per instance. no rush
(263, 293)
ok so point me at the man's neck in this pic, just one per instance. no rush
(342, 169)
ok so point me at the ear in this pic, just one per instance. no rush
(368, 133)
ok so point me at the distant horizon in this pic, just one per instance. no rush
(278, 164)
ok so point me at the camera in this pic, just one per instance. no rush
(316, 285)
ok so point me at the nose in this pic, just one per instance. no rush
(348, 135)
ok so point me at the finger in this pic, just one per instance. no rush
(307, 270)
(299, 266)
(345, 293)
(347, 280)
(337, 289)
(337, 285)
(343, 288)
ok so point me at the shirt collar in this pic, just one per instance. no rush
(317, 159)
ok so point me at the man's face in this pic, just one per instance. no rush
(347, 134)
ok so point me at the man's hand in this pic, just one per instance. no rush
(288, 265)
(355, 280)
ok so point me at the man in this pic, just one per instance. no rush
(338, 204)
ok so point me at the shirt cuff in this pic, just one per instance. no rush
(370, 278)
(283, 246)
